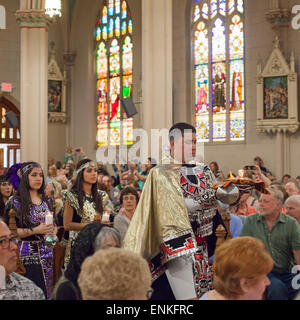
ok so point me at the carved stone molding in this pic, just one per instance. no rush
(69, 58)
(29, 18)
(56, 117)
(279, 17)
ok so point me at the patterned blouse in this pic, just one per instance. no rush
(20, 288)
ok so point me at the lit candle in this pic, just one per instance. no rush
(105, 217)
(49, 218)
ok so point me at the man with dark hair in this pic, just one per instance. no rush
(173, 218)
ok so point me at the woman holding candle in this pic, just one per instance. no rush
(34, 221)
(83, 203)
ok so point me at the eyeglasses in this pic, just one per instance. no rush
(5, 243)
(149, 293)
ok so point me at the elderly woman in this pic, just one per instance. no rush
(292, 205)
(91, 238)
(241, 268)
(129, 276)
(128, 200)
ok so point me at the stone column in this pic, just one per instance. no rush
(157, 111)
(34, 81)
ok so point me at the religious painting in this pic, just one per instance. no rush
(54, 95)
(276, 97)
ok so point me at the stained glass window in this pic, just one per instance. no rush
(218, 68)
(114, 67)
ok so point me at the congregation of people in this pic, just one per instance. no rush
(78, 255)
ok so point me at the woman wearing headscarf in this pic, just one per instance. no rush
(31, 206)
(91, 238)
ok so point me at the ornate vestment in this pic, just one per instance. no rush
(163, 228)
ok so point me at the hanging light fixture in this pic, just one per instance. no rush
(53, 8)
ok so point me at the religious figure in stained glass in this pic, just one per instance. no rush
(237, 88)
(218, 50)
(202, 94)
(219, 89)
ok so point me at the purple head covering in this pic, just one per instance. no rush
(13, 176)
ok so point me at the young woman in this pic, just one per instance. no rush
(82, 204)
(31, 206)
(6, 191)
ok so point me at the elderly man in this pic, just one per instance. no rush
(292, 188)
(12, 285)
(292, 205)
(281, 235)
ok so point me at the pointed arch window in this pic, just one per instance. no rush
(218, 70)
(114, 67)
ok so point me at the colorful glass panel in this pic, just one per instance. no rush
(124, 10)
(117, 27)
(101, 61)
(104, 15)
(205, 11)
(104, 33)
(201, 44)
(222, 7)
(117, 6)
(218, 41)
(202, 128)
(127, 56)
(128, 131)
(114, 96)
(213, 8)
(212, 105)
(111, 28)
(240, 6)
(102, 112)
(196, 13)
(127, 86)
(237, 85)
(124, 27)
(231, 5)
(110, 7)
(130, 26)
(98, 34)
(236, 38)
(201, 93)
(114, 61)
(219, 127)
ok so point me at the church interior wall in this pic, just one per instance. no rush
(10, 51)
(83, 100)
(258, 45)
(57, 131)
